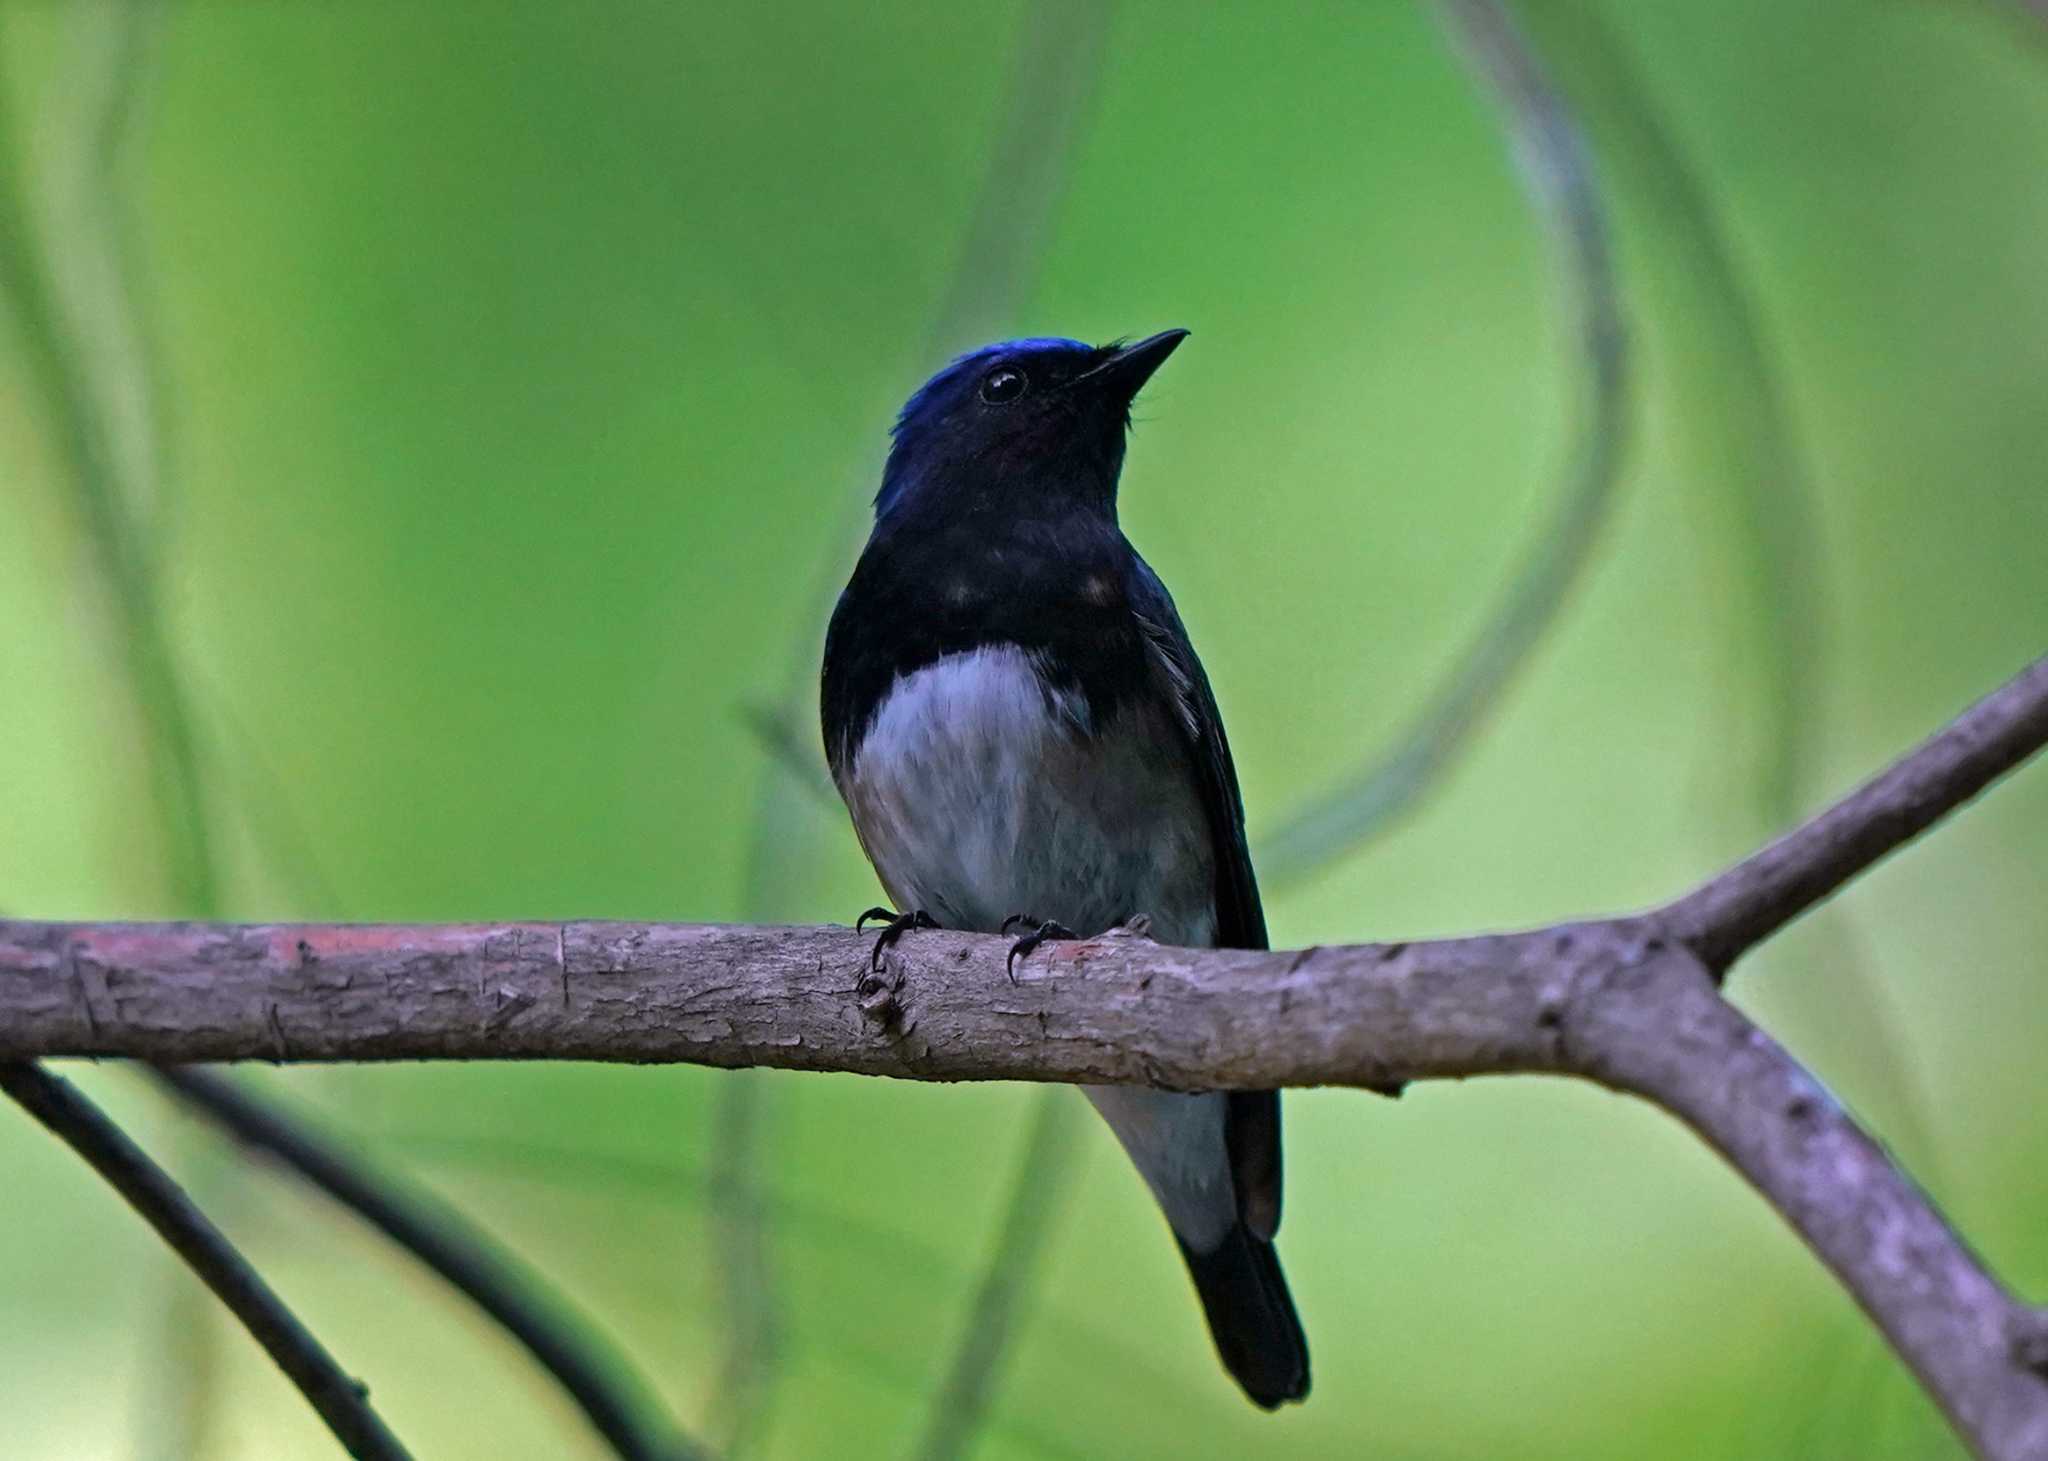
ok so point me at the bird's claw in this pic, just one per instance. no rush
(1041, 931)
(894, 926)
(879, 996)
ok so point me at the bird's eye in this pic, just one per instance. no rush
(1003, 385)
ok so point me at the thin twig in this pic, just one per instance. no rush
(99, 249)
(2027, 19)
(1737, 423)
(960, 1406)
(1565, 189)
(79, 295)
(789, 739)
(456, 1250)
(1055, 74)
(1759, 895)
(341, 1401)
(1738, 420)
(1628, 1002)
(1738, 432)
(737, 1410)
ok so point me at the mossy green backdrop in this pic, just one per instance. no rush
(519, 372)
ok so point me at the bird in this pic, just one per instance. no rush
(1023, 736)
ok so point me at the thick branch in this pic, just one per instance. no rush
(1626, 1002)
(1659, 1030)
(342, 1402)
(1116, 1009)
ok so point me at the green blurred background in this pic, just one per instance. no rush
(476, 400)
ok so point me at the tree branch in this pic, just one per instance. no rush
(1627, 1002)
(341, 1401)
(1657, 1029)
(1767, 890)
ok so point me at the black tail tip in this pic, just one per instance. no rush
(1251, 1317)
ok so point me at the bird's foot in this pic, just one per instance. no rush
(894, 926)
(1042, 930)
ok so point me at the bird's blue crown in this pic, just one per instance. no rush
(939, 394)
(948, 420)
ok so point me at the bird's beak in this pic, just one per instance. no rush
(1129, 369)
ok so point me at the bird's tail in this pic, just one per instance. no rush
(1244, 1295)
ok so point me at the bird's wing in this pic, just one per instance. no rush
(1240, 921)
(1253, 1131)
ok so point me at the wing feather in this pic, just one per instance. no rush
(1252, 1131)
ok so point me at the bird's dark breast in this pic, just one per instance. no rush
(917, 597)
(996, 728)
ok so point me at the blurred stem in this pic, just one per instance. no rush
(739, 1406)
(786, 735)
(1055, 73)
(1740, 436)
(1037, 1194)
(95, 215)
(76, 405)
(2030, 15)
(1563, 187)
(1737, 428)
(91, 222)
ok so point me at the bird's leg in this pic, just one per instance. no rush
(1041, 931)
(894, 926)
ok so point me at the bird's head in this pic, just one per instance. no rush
(1020, 424)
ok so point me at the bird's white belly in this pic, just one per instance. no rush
(981, 794)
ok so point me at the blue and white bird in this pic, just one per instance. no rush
(1022, 733)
